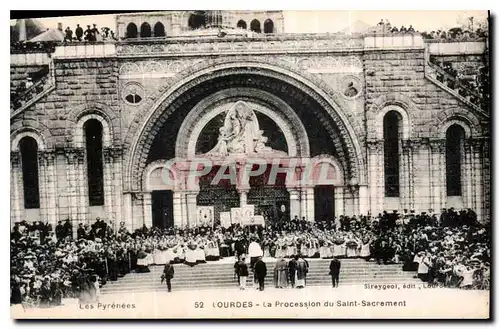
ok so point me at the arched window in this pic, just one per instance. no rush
(455, 136)
(255, 26)
(268, 26)
(29, 161)
(391, 153)
(93, 138)
(159, 30)
(145, 30)
(131, 31)
(197, 20)
(241, 24)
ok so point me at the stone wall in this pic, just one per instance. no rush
(388, 79)
(397, 79)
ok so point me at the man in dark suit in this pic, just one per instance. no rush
(260, 271)
(335, 271)
(79, 32)
(168, 274)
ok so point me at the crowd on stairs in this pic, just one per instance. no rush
(47, 265)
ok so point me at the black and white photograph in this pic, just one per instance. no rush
(251, 164)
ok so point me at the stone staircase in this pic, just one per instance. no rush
(34, 93)
(219, 275)
(452, 85)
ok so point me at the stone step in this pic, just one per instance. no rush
(326, 280)
(220, 275)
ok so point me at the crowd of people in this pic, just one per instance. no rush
(453, 34)
(47, 264)
(89, 34)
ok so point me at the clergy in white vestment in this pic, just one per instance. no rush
(254, 251)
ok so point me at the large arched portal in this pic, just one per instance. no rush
(295, 121)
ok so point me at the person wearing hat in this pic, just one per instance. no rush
(95, 32)
(80, 232)
(79, 32)
(168, 274)
(88, 34)
(260, 272)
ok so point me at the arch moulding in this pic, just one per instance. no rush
(465, 119)
(391, 102)
(19, 134)
(138, 138)
(263, 102)
(81, 113)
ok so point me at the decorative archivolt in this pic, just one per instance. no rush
(311, 64)
(155, 68)
(326, 64)
(253, 45)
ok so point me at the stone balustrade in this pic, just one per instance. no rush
(456, 48)
(28, 59)
(88, 50)
(397, 41)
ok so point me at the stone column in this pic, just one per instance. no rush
(42, 186)
(147, 211)
(438, 174)
(177, 204)
(191, 208)
(467, 174)
(339, 203)
(16, 197)
(46, 165)
(363, 199)
(82, 188)
(72, 177)
(243, 197)
(116, 176)
(349, 206)
(478, 156)
(127, 211)
(137, 210)
(310, 204)
(303, 202)
(294, 202)
(375, 176)
(404, 175)
(107, 168)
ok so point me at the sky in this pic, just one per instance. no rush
(321, 21)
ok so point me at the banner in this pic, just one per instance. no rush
(225, 219)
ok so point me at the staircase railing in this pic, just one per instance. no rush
(453, 85)
(31, 95)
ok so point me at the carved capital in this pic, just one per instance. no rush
(375, 145)
(112, 153)
(15, 158)
(74, 155)
(476, 144)
(416, 144)
(46, 157)
(437, 145)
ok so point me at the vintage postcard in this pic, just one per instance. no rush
(251, 164)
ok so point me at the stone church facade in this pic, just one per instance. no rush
(95, 133)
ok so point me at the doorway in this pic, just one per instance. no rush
(162, 203)
(324, 203)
